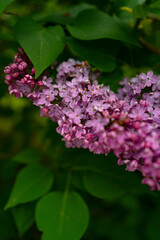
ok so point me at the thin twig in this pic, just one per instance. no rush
(13, 14)
(149, 46)
(153, 16)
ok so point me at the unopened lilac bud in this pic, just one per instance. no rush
(148, 145)
(21, 50)
(158, 160)
(89, 136)
(29, 77)
(7, 70)
(40, 83)
(45, 110)
(158, 174)
(22, 66)
(136, 125)
(15, 57)
(133, 136)
(32, 84)
(23, 81)
(15, 75)
(13, 66)
(8, 77)
(33, 71)
(19, 60)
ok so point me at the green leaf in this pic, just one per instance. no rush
(4, 4)
(66, 16)
(128, 3)
(62, 216)
(75, 10)
(93, 24)
(102, 185)
(96, 52)
(155, 9)
(140, 11)
(24, 217)
(105, 179)
(42, 45)
(28, 156)
(31, 183)
(155, 5)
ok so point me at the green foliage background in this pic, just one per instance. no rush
(105, 202)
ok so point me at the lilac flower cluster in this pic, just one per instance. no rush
(91, 116)
(142, 97)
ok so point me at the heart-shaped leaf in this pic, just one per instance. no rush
(42, 45)
(62, 216)
(32, 182)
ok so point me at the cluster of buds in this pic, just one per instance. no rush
(19, 74)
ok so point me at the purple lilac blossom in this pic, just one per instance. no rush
(145, 101)
(91, 116)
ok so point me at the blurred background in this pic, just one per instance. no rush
(24, 134)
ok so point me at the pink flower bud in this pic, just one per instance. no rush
(29, 77)
(45, 110)
(33, 71)
(19, 60)
(21, 50)
(89, 136)
(136, 125)
(158, 173)
(40, 83)
(15, 75)
(148, 145)
(13, 66)
(22, 66)
(133, 136)
(32, 84)
(8, 69)
(23, 81)
(158, 161)
(8, 77)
